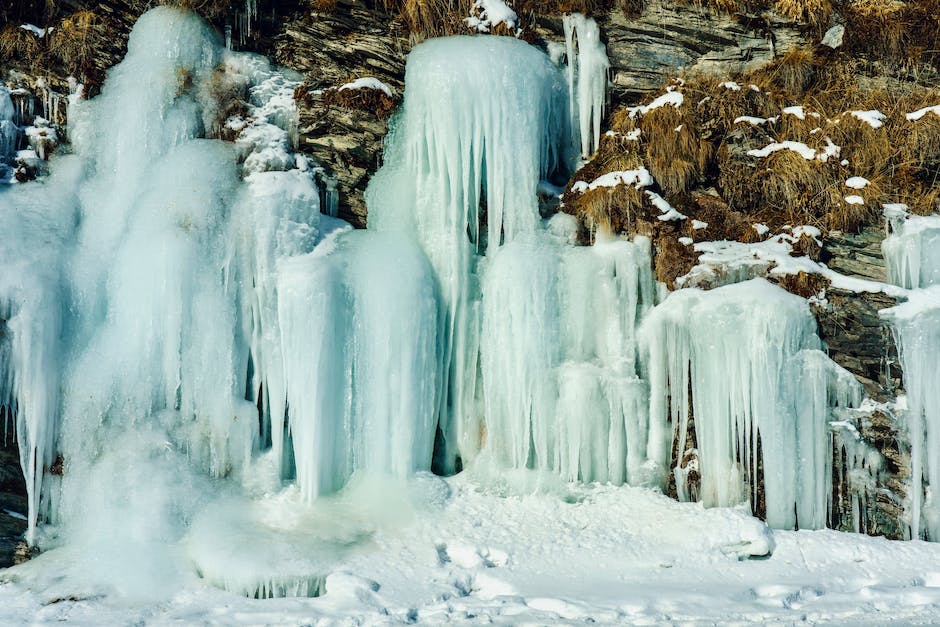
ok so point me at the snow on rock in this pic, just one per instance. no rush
(672, 98)
(638, 178)
(39, 32)
(368, 82)
(488, 14)
(753, 121)
(920, 113)
(874, 118)
(666, 211)
(829, 151)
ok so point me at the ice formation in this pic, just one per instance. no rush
(587, 79)
(482, 122)
(747, 357)
(913, 262)
(9, 133)
(183, 330)
(912, 252)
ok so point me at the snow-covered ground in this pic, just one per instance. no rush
(449, 551)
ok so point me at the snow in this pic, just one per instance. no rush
(762, 229)
(724, 262)
(920, 113)
(796, 111)
(672, 98)
(39, 32)
(854, 200)
(798, 147)
(458, 553)
(731, 85)
(857, 182)
(587, 79)
(368, 82)
(638, 178)
(488, 14)
(873, 118)
(667, 212)
(749, 119)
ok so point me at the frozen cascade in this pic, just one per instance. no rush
(9, 133)
(912, 260)
(560, 373)
(170, 294)
(484, 119)
(224, 366)
(587, 79)
(912, 251)
(747, 357)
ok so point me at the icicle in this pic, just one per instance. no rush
(916, 326)
(749, 354)
(483, 121)
(587, 80)
(912, 252)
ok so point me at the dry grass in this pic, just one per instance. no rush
(813, 13)
(725, 6)
(373, 101)
(673, 150)
(560, 7)
(432, 18)
(794, 72)
(19, 45)
(803, 284)
(207, 8)
(894, 30)
(76, 38)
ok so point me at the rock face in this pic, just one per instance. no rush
(668, 40)
(352, 40)
(12, 504)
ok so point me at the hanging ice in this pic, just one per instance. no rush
(912, 251)
(587, 79)
(483, 121)
(746, 357)
(9, 133)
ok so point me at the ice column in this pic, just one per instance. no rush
(559, 358)
(484, 119)
(911, 254)
(587, 79)
(761, 391)
(916, 326)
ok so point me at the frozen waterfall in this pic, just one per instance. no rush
(746, 357)
(197, 358)
(913, 262)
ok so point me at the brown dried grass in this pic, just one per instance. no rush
(374, 101)
(814, 13)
